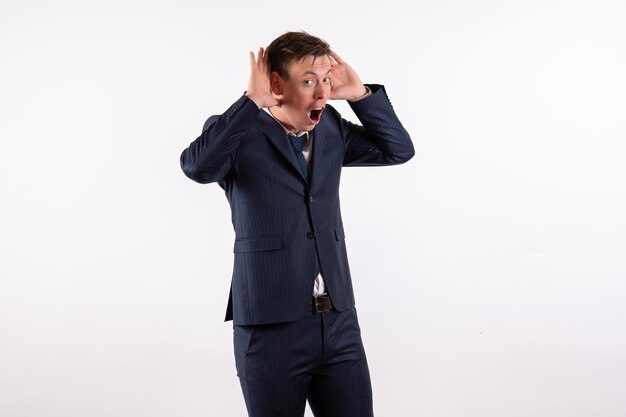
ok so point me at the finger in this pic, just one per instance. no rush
(266, 60)
(336, 57)
(252, 60)
(259, 59)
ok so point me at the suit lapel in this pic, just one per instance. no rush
(276, 134)
(319, 136)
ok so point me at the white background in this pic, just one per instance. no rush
(489, 270)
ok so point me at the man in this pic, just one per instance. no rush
(278, 152)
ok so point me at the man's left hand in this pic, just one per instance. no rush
(346, 84)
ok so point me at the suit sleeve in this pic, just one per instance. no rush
(381, 140)
(210, 157)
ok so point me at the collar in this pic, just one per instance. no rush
(287, 131)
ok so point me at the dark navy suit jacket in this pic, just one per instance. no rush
(287, 226)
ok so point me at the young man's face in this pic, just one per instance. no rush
(304, 94)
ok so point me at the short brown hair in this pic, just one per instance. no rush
(294, 46)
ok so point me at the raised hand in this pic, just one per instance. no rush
(346, 84)
(259, 88)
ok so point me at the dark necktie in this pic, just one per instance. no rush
(297, 142)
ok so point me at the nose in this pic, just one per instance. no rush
(321, 91)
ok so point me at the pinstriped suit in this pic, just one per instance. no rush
(287, 225)
(288, 228)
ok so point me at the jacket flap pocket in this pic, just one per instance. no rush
(258, 244)
(339, 233)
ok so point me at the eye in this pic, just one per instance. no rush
(326, 80)
(308, 83)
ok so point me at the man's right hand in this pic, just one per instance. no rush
(259, 88)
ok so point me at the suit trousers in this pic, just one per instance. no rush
(319, 359)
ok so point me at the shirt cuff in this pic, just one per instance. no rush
(366, 95)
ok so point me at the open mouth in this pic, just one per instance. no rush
(316, 114)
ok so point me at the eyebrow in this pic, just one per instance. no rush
(313, 73)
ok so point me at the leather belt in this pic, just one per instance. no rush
(321, 304)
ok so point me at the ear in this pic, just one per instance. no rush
(277, 85)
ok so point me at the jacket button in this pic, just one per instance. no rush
(310, 235)
(310, 199)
